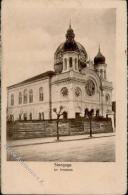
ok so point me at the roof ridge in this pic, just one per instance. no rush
(34, 78)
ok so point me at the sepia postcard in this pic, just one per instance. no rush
(64, 97)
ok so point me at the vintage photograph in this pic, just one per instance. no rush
(61, 103)
(63, 97)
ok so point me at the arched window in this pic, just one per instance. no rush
(25, 116)
(11, 118)
(76, 67)
(20, 98)
(70, 62)
(39, 116)
(97, 112)
(107, 99)
(43, 115)
(12, 99)
(105, 74)
(20, 117)
(41, 95)
(30, 116)
(101, 73)
(25, 96)
(65, 64)
(30, 96)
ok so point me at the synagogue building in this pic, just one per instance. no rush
(77, 83)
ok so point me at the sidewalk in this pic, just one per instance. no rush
(46, 140)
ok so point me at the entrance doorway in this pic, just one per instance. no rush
(86, 112)
(97, 113)
(77, 115)
(41, 115)
(65, 115)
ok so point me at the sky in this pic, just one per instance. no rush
(32, 32)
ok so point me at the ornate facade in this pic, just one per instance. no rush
(76, 83)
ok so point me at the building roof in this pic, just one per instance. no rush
(35, 78)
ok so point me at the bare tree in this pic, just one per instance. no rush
(58, 114)
(90, 116)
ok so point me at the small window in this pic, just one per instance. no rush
(12, 99)
(41, 95)
(78, 92)
(30, 96)
(70, 62)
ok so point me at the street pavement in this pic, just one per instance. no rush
(99, 148)
(25, 142)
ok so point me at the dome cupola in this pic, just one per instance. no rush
(99, 59)
(70, 44)
(100, 65)
(70, 54)
(70, 34)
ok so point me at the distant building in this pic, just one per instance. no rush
(76, 83)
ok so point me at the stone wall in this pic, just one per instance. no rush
(34, 129)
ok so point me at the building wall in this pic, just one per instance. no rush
(59, 100)
(85, 101)
(36, 106)
(72, 104)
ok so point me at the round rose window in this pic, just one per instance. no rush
(64, 91)
(90, 87)
(77, 92)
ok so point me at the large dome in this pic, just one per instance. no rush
(70, 45)
(77, 47)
